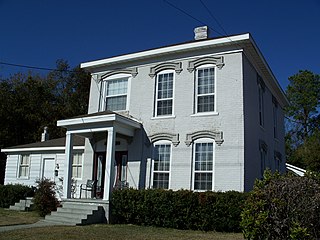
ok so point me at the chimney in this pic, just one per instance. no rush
(201, 33)
(45, 135)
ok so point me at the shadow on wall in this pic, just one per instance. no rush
(3, 160)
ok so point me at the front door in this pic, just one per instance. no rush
(121, 169)
(48, 168)
(98, 173)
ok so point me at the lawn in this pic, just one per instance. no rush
(99, 231)
(9, 217)
(112, 232)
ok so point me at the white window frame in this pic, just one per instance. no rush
(264, 162)
(73, 165)
(103, 89)
(27, 166)
(163, 99)
(194, 171)
(198, 95)
(261, 102)
(161, 142)
(275, 119)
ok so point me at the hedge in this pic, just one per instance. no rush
(206, 211)
(283, 207)
(10, 194)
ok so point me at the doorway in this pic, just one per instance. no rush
(121, 158)
(98, 173)
(48, 168)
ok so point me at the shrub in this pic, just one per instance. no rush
(45, 200)
(178, 209)
(10, 194)
(282, 207)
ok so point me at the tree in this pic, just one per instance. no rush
(303, 93)
(29, 102)
(303, 138)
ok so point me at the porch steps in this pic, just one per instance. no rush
(79, 212)
(22, 205)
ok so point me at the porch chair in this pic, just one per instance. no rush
(88, 187)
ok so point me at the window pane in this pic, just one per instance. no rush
(206, 81)
(161, 166)
(116, 103)
(206, 103)
(117, 86)
(203, 181)
(204, 157)
(164, 107)
(161, 180)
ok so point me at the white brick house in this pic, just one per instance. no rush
(202, 115)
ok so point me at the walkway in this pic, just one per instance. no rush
(41, 223)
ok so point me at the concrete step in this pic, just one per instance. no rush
(22, 205)
(78, 213)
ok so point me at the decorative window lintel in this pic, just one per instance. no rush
(216, 135)
(218, 61)
(174, 138)
(177, 67)
(132, 71)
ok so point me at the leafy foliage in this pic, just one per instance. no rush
(303, 124)
(28, 102)
(182, 209)
(45, 200)
(10, 194)
(283, 207)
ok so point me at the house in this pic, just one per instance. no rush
(205, 115)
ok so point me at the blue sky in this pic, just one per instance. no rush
(38, 32)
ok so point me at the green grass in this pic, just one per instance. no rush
(9, 217)
(112, 232)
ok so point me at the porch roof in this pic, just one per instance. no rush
(53, 144)
(100, 121)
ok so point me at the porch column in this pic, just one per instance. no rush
(109, 171)
(68, 166)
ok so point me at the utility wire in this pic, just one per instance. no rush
(194, 18)
(33, 67)
(213, 17)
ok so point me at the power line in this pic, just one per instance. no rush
(33, 67)
(214, 18)
(189, 15)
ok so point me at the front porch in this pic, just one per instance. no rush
(102, 160)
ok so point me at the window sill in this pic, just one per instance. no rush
(163, 117)
(205, 114)
(23, 178)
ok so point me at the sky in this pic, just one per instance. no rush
(39, 32)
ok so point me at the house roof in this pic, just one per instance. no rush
(242, 41)
(53, 144)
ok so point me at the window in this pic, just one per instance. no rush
(261, 89)
(205, 89)
(77, 165)
(24, 167)
(263, 157)
(164, 94)
(275, 117)
(161, 165)
(203, 166)
(277, 161)
(114, 95)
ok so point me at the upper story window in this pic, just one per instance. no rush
(24, 166)
(203, 164)
(161, 164)
(205, 89)
(275, 117)
(164, 93)
(264, 163)
(114, 96)
(261, 89)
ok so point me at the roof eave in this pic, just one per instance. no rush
(165, 50)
